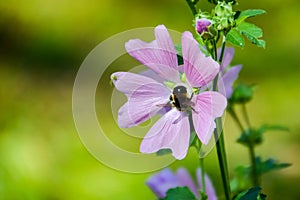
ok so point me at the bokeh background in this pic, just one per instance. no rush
(42, 45)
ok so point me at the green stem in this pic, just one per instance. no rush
(215, 53)
(220, 138)
(223, 49)
(236, 119)
(203, 192)
(246, 115)
(255, 178)
(220, 141)
(222, 158)
(192, 6)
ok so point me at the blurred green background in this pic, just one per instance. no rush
(42, 44)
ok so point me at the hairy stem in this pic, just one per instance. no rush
(203, 192)
(219, 136)
(222, 158)
(246, 115)
(223, 49)
(192, 6)
(236, 119)
(255, 178)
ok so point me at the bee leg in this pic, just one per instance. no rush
(194, 110)
(191, 96)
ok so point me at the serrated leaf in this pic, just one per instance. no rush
(182, 193)
(263, 167)
(262, 197)
(248, 13)
(254, 136)
(241, 179)
(259, 43)
(235, 38)
(162, 152)
(250, 137)
(266, 127)
(252, 32)
(250, 29)
(242, 93)
(251, 194)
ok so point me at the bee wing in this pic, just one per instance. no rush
(165, 105)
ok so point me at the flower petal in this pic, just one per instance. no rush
(186, 180)
(227, 57)
(151, 74)
(145, 97)
(161, 182)
(164, 41)
(159, 55)
(199, 69)
(226, 81)
(209, 188)
(208, 106)
(166, 134)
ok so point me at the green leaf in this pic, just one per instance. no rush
(266, 127)
(248, 13)
(250, 137)
(262, 197)
(263, 167)
(252, 32)
(242, 93)
(235, 38)
(251, 194)
(241, 179)
(182, 193)
(162, 152)
(250, 29)
(243, 173)
(254, 136)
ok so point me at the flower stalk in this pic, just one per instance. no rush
(192, 6)
(220, 145)
(250, 145)
(203, 189)
(235, 118)
(255, 178)
(218, 131)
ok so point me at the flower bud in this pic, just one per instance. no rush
(227, 1)
(202, 25)
(223, 9)
(224, 16)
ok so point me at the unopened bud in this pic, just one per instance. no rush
(202, 25)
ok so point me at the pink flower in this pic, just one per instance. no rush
(228, 76)
(146, 96)
(161, 182)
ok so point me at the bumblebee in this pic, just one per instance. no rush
(179, 99)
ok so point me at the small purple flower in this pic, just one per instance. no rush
(202, 25)
(227, 76)
(161, 182)
(147, 97)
